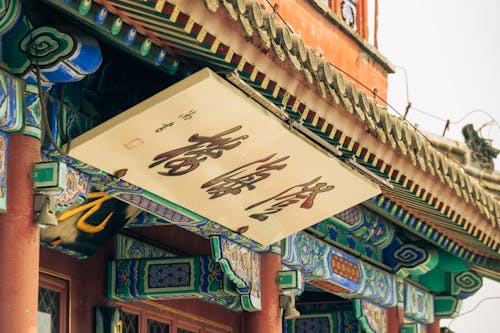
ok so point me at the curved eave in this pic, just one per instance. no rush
(485, 272)
(459, 245)
(376, 140)
(460, 152)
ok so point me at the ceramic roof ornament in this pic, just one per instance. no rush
(482, 153)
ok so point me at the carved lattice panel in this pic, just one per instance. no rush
(130, 322)
(317, 325)
(49, 301)
(158, 327)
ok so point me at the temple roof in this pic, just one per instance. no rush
(475, 155)
(262, 56)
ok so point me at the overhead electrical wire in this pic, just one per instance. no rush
(473, 308)
(448, 122)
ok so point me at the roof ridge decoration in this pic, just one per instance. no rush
(482, 151)
(462, 154)
(272, 37)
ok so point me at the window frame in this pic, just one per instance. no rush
(133, 311)
(361, 14)
(62, 285)
(180, 324)
(161, 318)
(158, 312)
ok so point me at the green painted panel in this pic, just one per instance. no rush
(49, 176)
(435, 281)
(409, 328)
(450, 263)
(446, 306)
(171, 278)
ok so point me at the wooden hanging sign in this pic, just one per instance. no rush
(207, 147)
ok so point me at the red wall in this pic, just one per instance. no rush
(318, 31)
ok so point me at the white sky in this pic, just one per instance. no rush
(451, 52)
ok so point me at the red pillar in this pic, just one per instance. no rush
(434, 327)
(19, 240)
(395, 316)
(267, 320)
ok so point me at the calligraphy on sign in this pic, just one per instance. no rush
(188, 115)
(235, 180)
(291, 196)
(164, 127)
(191, 156)
(184, 116)
(224, 158)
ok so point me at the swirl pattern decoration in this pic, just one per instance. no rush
(465, 284)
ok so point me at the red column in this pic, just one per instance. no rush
(395, 316)
(434, 327)
(19, 240)
(267, 320)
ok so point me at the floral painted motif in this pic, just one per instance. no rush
(245, 263)
(318, 261)
(130, 248)
(378, 287)
(215, 287)
(242, 266)
(77, 189)
(375, 316)
(11, 102)
(418, 305)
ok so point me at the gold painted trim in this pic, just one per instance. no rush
(187, 315)
(67, 278)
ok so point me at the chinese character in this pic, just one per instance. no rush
(163, 127)
(187, 116)
(292, 196)
(233, 181)
(191, 156)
